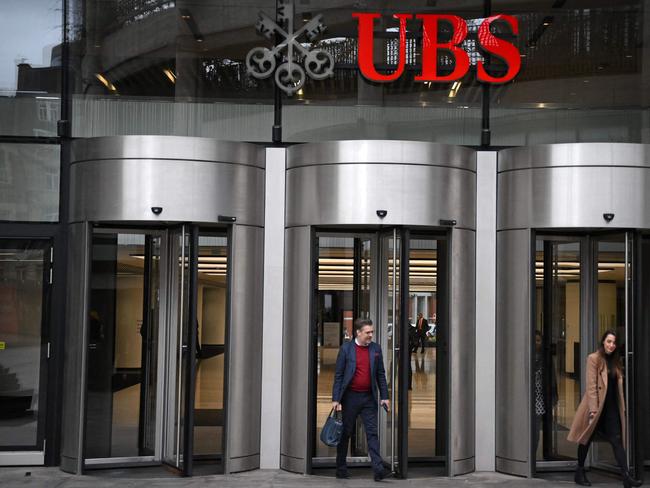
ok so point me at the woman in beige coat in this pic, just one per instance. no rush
(602, 409)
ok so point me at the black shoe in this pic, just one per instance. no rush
(343, 475)
(383, 475)
(629, 481)
(581, 477)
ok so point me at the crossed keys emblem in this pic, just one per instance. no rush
(290, 76)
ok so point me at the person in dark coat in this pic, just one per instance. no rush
(359, 385)
(421, 327)
(602, 409)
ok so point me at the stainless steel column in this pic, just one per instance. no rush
(244, 387)
(295, 347)
(462, 347)
(74, 367)
(513, 346)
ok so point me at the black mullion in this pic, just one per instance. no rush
(312, 386)
(145, 332)
(547, 360)
(190, 357)
(404, 355)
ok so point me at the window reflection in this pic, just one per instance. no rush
(30, 67)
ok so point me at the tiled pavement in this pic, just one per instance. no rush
(158, 477)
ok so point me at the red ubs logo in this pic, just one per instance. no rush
(430, 47)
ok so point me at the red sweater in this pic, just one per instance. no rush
(361, 379)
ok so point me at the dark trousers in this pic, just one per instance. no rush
(355, 404)
(421, 340)
(617, 447)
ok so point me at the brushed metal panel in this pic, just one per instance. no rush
(509, 466)
(167, 147)
(567, 197)
(462, 350)
(194, 191)
(244, 464)
(245, 347)
(295, 349)
(513, 329)
(381, 151)
(292, 464)
(74, 364)
(462, 466)
(351, 194)
(575, 154)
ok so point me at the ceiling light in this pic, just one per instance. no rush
(170, 74)
(105, 82)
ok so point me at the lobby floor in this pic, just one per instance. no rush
(155, 477)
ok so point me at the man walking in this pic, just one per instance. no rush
(422, 327)
(359, 375)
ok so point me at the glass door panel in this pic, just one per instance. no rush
(343, 293)
(612, 303)
(423, 362)
(212, 295)
(24, 283)
(388, 335)
(557, 353)
(177, 349)
(121, 409)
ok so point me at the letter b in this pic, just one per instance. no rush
(430, 47)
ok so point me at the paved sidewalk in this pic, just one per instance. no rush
(158, 477)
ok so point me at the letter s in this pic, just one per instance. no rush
(500, 48)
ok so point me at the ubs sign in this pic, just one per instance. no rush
(297, 59)
(431, 46)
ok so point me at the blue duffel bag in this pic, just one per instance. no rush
(333, 429)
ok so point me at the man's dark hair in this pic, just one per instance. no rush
(361, 323)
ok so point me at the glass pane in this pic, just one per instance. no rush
(29, 182)
(30, 67)
(610, 309)
(388, 328)
(557, 361)
(177, 349)
(21, 311)
(168, 67)
(211, 314)
(423, 347)
(583, 75)
(347, 106)
(122, 348)
(334, 317)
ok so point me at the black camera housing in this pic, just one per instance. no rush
(382, 213)
(608, 217)
(157, 210)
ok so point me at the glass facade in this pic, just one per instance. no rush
(179, 67)
(30, 67)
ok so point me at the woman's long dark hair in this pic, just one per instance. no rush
(615, 356)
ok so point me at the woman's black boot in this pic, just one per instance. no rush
(629, 481)
(581, 477)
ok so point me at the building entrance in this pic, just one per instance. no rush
(583, 286)
(156, 348)
(391, 276)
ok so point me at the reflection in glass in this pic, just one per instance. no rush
(30, 67)
(168, 67)
(22, 266)
(582, 76)
(557, 361)
(29, 182)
